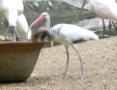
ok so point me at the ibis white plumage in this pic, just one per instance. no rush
(66, 34)
(12, 9)
(22, 25)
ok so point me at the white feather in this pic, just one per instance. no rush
(22, 25)
(103, 8)
(13, 11)
(68, 33)
(11, 5)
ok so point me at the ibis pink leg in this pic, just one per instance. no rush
(81, 63)
(67, 63)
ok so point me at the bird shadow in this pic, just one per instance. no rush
(38, 80)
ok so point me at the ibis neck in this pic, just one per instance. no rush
(47, 24)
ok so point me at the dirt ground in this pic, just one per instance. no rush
(100, 63)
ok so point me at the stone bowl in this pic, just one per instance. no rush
(18, 59)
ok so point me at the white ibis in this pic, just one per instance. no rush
(106, 9)
(11, 9)
(66, 34)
